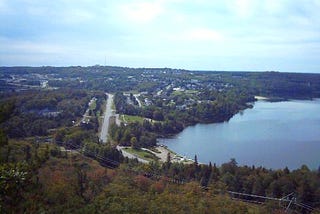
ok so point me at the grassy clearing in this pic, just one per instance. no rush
(131, 119)
(191, 92)
(132, 92)
(93, 105)
(142, 154)
(98, 114)
(187, 92)
(177, 93)
(113, 106)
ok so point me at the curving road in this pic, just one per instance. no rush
(108, 113)
(139, 102)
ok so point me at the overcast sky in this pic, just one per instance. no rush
(281, 35)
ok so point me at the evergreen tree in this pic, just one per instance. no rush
(3, 138)
(196, 160)
(27, 150)
(168, 158)
(167, 164)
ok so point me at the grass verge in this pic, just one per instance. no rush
(142, 154)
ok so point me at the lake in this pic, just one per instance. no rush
(271, 134)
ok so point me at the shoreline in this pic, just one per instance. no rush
(175, 157)
(261, 98)
(161, 153)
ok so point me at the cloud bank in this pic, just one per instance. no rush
(201, 35)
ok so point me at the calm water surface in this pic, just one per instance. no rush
(273, 135)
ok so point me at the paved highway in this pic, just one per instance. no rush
(108, 113)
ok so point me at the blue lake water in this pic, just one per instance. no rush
(273, 135)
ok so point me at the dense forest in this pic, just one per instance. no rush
(35, 112)
(51, 159)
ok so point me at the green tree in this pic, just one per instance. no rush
(82, 180)
(258, 188)
(134, 142)
(14, 178)
(230, 167)
(157, 115)
(305, 192)
(27, 150)
(3, 138)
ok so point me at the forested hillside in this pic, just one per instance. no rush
(37, 177)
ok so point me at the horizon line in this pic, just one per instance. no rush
(190, 70)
